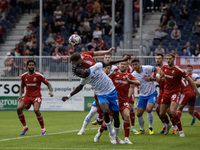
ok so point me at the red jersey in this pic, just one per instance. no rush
(32, 83)
(173, 78)
(186, 87)
(122, 86)
(59, 40)
(88, 59)
(101, 44)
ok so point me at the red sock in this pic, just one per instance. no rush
(100, 113)
(178, 122)
(126, 127)
(195, 112)
(103, 127)
(22, 119)
(178, 112)
(40, 119)
(132, 117)
(172, 119)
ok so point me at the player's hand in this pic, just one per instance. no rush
(115, 71)
(64, 98)
(19, 98)
(51, 94)
(147, 78)
(127, 58)
(110, 50)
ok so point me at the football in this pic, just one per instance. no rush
(74, 40)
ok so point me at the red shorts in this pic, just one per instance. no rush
(168, 98)
(123, 105)
(159, 98)
(132, 99)
(187, 99)
(110, 113)
(30, 100)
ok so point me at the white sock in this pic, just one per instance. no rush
(109, 128)
(116, 132)
(175, 127)
(141, 122)
(126, 138)
(164, 124)
(150, 119)
(84, 126)
(25, 126)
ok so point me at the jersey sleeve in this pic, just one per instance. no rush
(183, 73)
(96, 66)
(131, 77)
(82, 82)
(150, 69)
(196, 76)
(91, 53)
(43, 79)
(22, 81)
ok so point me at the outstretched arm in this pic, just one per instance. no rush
(101, 53)
(112, 62)
(193, 86)
(76, 90)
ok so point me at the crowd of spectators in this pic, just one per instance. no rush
(179, 29)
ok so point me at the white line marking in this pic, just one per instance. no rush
(22, 137)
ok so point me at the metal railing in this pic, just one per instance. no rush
(61, 69)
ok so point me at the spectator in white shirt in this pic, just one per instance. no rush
(58, 13)
(97, 33)
(105, 17)
(159, 35)
(176, 34)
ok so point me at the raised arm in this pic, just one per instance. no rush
(102, 53)
(75, 91)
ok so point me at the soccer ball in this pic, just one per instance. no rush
(74, 40)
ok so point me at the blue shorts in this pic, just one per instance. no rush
(143, 100)
(93, 104)
(111, 99)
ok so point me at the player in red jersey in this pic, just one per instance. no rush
(122, 81)
(32, 80)
(131, 97)
(159, 63)
(86, 58)
(188, 95)
(172, 89)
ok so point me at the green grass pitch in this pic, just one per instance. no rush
(62, 129)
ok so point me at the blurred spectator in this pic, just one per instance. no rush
(105, 17)
(159, 50)
(170, 12)
(188, 48)
(89, 7)
(90, 18)
(197, 46)
(196, 53)
(12, 52)
(82, 13)
(83, 49)
(171, 23)
(2, 15)
(27, 5)
(184, 12)
(1, 34)
(34, 22)
(97, 33)
(110, 22)
(91, 45)
(59, 41)
(26, 38)
(56, 55)
(174, 52)
(45, 24)
(34, 50)
(118, 29)
(163, 23)
(185, 53)
(73, 28)
(137, 12)
(97, 7)
(3, 4)
(58, 13)
(50, 41)
(71, 18)
(8, 65)
(96, 19)
(163, 3)
(70, 49)
(27, 31)
(61, 6)
(77, 8)
(101, 44)
(16, 49)
(176, 34)
(65, 56)
(69, 9)
(86, 24)
(118, 17)
(107, 6)
(107, 29)
(31, 27)
(166, 15)
(196, 28)
(92, 49)
(159, 35)
(37, 18)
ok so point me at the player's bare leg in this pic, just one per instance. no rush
(149, 109)
(194, 113)
(126, 116)
(21, 106)
(87, 119)
(163, 116)
(140, 112)
(173, 110)
(39, 117)
(105, 109)
(175, 128)
(132, 117)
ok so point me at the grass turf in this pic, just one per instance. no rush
(69, 123)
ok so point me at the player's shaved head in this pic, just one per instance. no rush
(75, 57)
